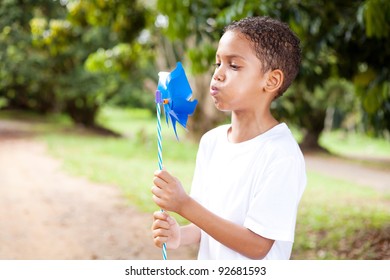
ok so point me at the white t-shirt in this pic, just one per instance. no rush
(257, 184)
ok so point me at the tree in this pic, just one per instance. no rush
(89, 29)
(370, 71)
(338, 43)
(21, 86)
(46, 70)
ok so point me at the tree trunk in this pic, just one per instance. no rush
(310, 141)
(85, 115)
(81, 113)
(314, 123)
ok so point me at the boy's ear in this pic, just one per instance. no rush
(274, 81)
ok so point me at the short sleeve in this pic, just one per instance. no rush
(273, 209)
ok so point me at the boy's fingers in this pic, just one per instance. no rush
(157, 181)
(159, 241)
(160, 224)
(161, 227)
(160, 233)
(160, 215)
(157, 191)
(158, 201)
(163, 175)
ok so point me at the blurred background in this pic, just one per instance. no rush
(78, 76)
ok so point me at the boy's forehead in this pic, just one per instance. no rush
(234, 44)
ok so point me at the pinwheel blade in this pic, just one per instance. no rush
(176, 94)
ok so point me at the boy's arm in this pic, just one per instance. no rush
(236, 237)
(190, 234)
(170, 195)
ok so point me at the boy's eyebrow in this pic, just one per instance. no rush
(230, 56)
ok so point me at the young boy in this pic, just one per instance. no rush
(249, 175)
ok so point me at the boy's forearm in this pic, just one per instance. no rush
(236, 237)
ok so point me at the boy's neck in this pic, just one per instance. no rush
(246, 126)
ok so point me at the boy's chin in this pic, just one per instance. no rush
(222, 108)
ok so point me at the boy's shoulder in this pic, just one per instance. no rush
(282, 143)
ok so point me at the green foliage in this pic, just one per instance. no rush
(192, 26)
(124, 18)
(335, 45)
(376, 15)
(374, 92)
(202, 56)
(45, 50)
(118, 62)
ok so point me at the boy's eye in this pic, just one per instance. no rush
(233, 66)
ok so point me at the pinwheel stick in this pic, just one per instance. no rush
(159, 101)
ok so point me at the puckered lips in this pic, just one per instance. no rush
(214, 90)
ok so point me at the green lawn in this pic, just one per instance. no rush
(341, 220)
(337, 219)
(352, 144)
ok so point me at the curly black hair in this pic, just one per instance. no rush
(275, 44)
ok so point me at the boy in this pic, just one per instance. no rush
(249, 175)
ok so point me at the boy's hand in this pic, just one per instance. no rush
(165, 230)
(168, 193)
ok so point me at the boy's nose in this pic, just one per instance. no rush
(218, 76)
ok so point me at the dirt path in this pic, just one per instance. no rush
(47, 214)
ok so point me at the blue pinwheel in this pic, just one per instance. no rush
(175, 96)
(174, 93)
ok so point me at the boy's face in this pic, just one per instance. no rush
(238, 80)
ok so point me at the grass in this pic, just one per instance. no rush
(341, 220)
(352, 144)
(336, 220)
